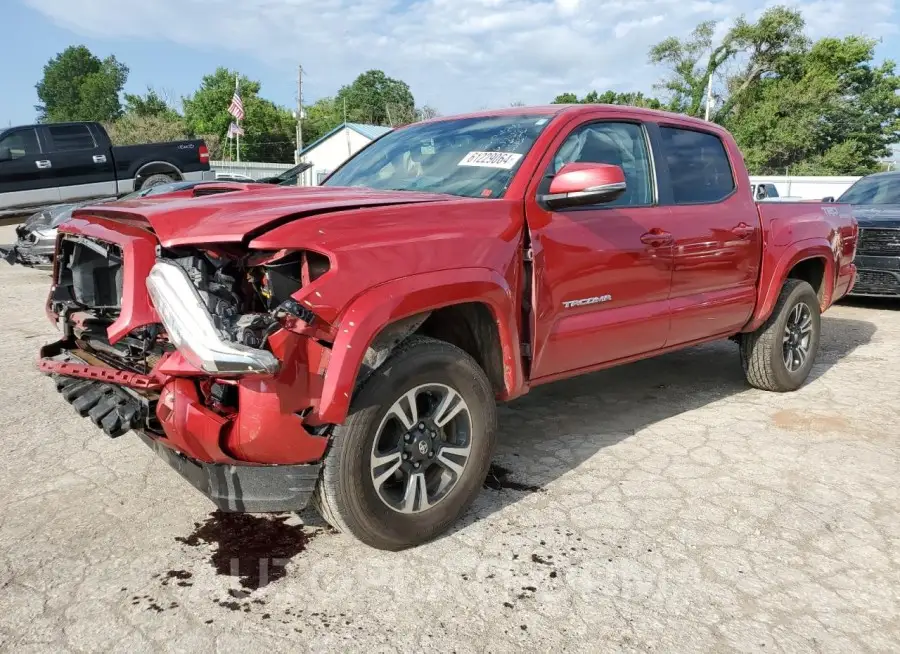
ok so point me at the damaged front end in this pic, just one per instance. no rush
(206, 353)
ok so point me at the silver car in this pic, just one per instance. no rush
(36, 242)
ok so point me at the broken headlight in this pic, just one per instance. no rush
(192, 330)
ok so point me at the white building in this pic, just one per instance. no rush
(335, 147)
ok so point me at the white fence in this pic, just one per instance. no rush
(807, 188)
(254, 169)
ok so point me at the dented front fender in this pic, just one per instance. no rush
(377, 308)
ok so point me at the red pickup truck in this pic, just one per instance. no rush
(345, 344)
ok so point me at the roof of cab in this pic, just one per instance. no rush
(569, 109)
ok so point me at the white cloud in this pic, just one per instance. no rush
(567, 7)
(623, 28)
(455, 54)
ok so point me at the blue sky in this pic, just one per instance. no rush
(456, 54)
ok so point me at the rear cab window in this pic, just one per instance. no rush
(698, 164)
(71, 138)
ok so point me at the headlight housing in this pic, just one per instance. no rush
(192, 330)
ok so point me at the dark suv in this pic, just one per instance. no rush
(876, 206)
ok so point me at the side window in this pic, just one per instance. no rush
(68, 138)
(619, 144)
(698, 166)
(20, 143)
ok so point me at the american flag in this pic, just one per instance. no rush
(236, 108)
(235, 130)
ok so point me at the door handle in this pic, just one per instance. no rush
(743, 230)
(43, 163)
(99, 158)
(656, 238)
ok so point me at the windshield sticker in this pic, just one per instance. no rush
(502, 160)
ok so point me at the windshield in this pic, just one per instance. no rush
(873, 190)
(470, 157)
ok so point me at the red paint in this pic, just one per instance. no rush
(139, 253)
(406, 297)
(98, 373)
(658, 277)
(190, 427)
(267, 427)
(231, 217)
(574, 177)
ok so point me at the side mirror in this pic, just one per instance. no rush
(580, 184)
(830, 198)
(5, 154)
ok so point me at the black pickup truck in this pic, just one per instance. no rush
(64, 162)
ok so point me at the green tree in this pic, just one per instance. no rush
(427, 112)
(149, 104)
(764, 47)
(377, 99)
(76, 85)
(269, 130)
(691, 62)
(133, 128)
(631, 99)
(793, 105)
(830, 111)
(320, 118)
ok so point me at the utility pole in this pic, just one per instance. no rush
(299, 113)
(709, 96)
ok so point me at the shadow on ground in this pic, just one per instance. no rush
(883, 303)
(591, 412)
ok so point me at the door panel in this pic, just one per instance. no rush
(26, 179)
(717, 238)
(84, 170)
(585, 254)
(601, 283)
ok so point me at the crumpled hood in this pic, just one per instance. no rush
(885, 216)
(245, 211)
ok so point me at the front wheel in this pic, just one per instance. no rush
(780, 354)
(415, 450)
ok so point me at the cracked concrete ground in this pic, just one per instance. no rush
(674, 510)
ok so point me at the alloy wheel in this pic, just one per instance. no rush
(797, 337)
(421, 448)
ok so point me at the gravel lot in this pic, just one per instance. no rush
(660, 507)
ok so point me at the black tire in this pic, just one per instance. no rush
(346, 495)
(762, 351)
(155, 180)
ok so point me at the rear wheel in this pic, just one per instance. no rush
(415, 450)
(155, 180)
(780, 354)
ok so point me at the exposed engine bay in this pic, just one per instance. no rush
(244, 294)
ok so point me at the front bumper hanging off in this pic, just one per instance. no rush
(244, 488)
(117, 401)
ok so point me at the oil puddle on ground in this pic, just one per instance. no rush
(256, 549)
(498, 479)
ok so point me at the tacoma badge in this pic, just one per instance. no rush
(585, 301)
